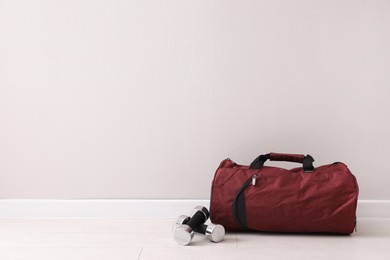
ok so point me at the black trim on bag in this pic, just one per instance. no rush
(239, 209)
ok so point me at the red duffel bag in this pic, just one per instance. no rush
(272, 199)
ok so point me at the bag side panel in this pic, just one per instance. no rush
(227, 181)
(294, 201)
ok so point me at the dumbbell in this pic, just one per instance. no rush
(214, 232)
(185, 232)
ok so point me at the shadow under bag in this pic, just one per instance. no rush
(273, 199)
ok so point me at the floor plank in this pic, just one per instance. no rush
(71, 253)
(128, 238)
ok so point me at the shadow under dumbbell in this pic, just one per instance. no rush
(201, 240)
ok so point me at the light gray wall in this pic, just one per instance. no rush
(143, 99)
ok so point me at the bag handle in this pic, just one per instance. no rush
(307, 160)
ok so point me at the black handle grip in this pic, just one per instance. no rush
(199, 229)
(307, 160)
(197, 219)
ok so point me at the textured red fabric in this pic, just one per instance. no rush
(287, 200)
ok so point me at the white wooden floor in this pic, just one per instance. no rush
(125, 238)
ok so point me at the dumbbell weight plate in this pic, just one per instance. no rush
(182, 219)
(215, 232)
(183, 235)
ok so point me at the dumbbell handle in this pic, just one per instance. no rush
(198, 218)
(182, 220)
(201, 229)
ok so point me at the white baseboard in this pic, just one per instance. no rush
(106, 208)
(373, 209)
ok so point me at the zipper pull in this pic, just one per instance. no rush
(254, 180)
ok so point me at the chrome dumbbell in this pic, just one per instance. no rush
(185, 232)
(214, 232)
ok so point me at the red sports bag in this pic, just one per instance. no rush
(304, 199)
